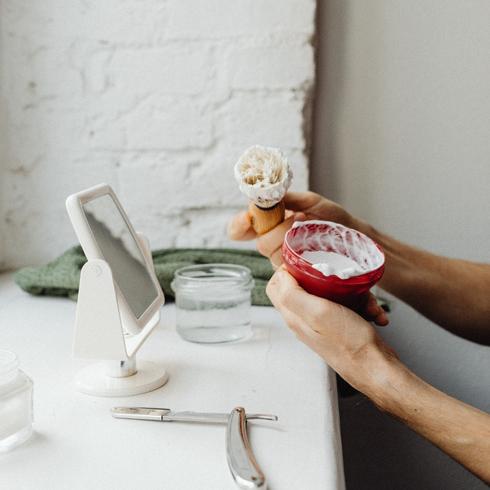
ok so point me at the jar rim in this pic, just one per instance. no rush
(215, 274)
(225, 272)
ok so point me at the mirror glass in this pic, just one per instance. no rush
(120, 250)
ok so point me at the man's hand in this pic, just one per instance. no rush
(349, 344)
(301, 206)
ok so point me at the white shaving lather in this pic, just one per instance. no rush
(264, 176)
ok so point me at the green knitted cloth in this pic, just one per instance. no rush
(61, 277)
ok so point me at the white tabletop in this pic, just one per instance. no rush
(78, 445)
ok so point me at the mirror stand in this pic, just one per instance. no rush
(98, 379)
(99, 334)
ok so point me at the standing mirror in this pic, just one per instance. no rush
(119, 297)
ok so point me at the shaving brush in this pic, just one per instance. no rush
(264, 175)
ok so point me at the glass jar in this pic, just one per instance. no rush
(213, 302)
(15, 402)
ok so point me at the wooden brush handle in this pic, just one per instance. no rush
(264, 219)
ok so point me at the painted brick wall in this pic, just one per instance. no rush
(157, 98)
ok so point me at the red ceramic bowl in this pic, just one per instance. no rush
(332, 237)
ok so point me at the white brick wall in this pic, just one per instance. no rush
(157, 98)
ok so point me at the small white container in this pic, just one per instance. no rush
(15, 402)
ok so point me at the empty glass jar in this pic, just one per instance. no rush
(213, 302)
(15, 402)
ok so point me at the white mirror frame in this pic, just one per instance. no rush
(103, 316)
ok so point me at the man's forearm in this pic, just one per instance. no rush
(460, 430)
(453, 293)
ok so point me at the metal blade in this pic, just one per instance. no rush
(166, 415)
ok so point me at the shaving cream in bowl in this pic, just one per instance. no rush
(333, 261)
